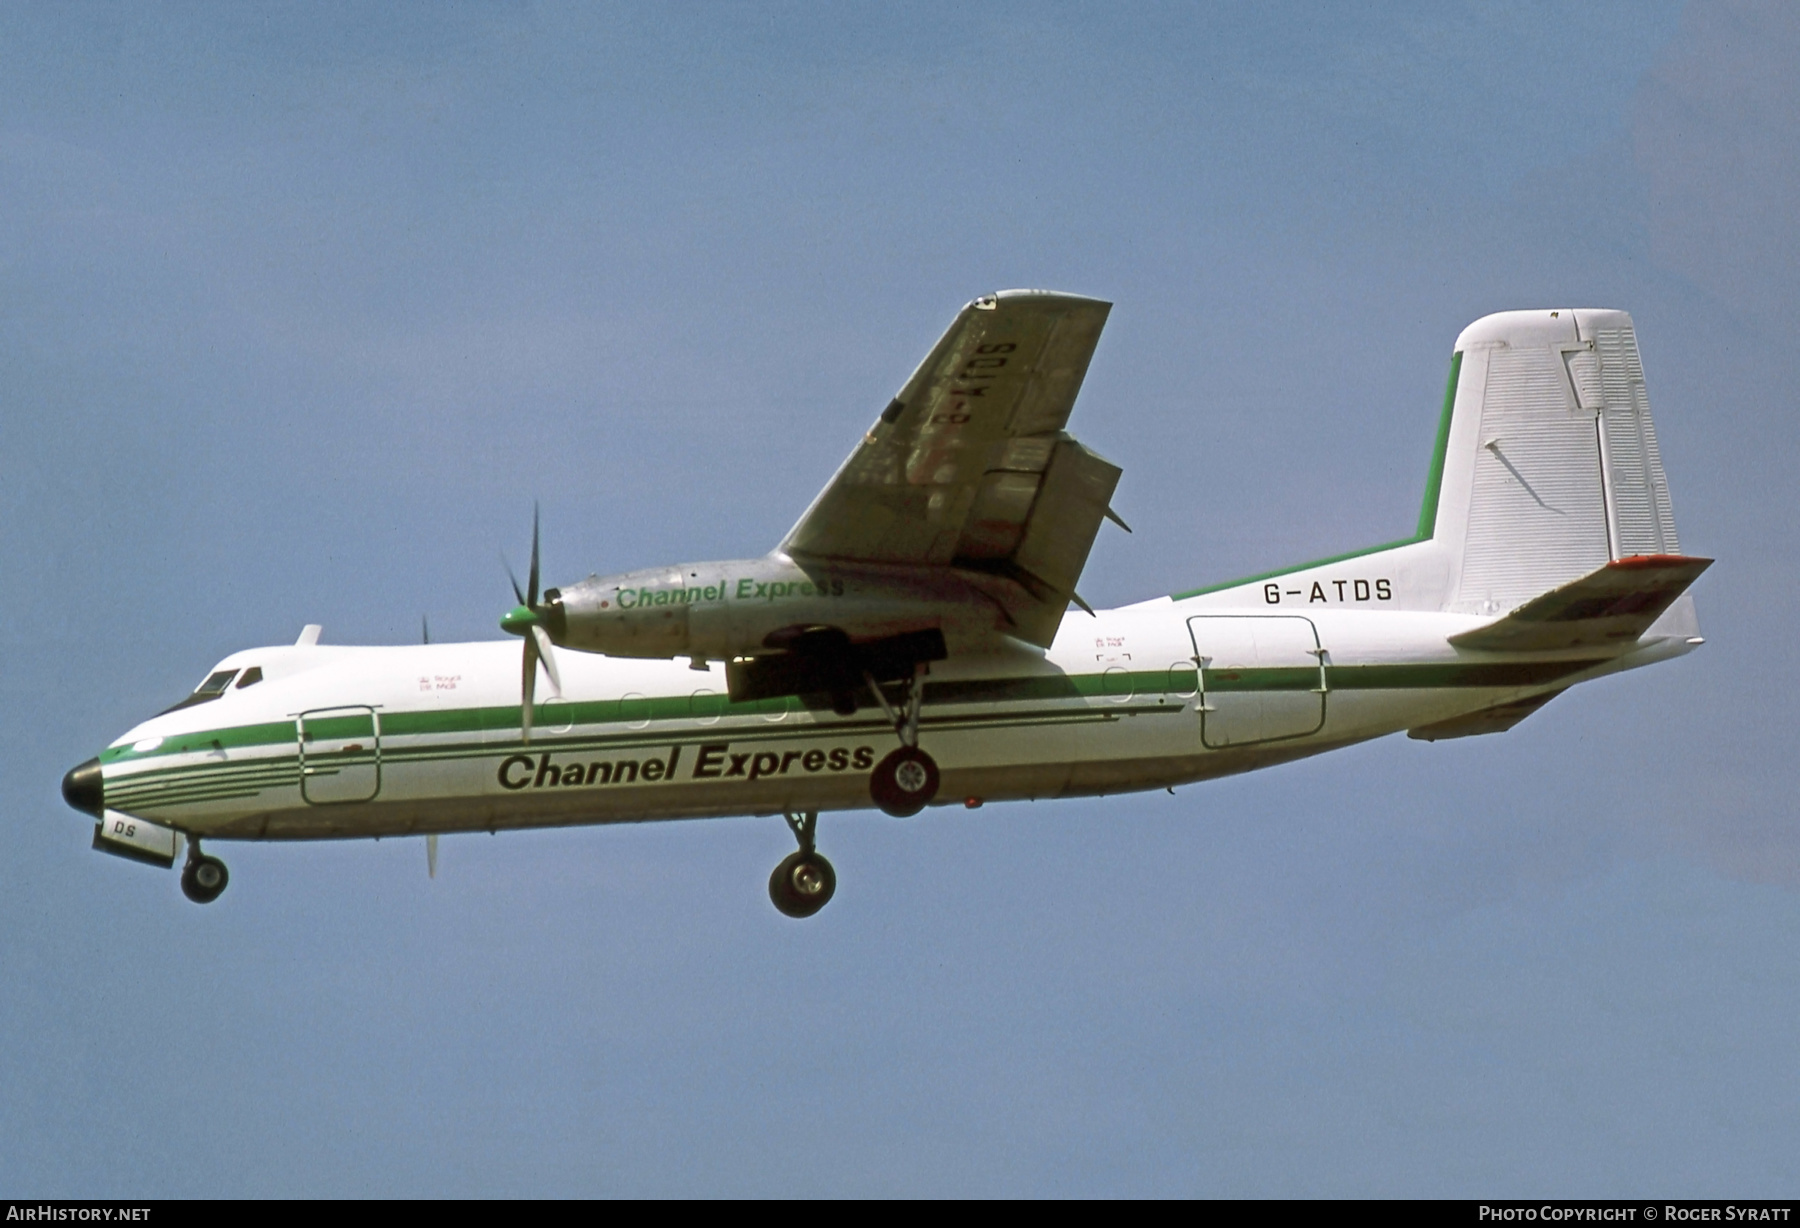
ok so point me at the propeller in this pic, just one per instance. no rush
(526, 620)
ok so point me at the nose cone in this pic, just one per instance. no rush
(85, 789)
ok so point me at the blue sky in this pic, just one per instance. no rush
(302, 307)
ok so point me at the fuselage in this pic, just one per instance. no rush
(332, 741)
(910, 641)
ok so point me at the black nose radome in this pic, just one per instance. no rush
(85, 789)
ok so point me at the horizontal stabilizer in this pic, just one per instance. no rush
(1497, 719)
(1612, 605)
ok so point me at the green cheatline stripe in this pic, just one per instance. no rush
(215, 780)
(210, 739)
(1434, 485)
(1235, 680)
(1174, 681)
(206, 781)
(283, 770)
(659, 708)
(1397, 677)
(194, 791)
(188, 797)
(452, 720)
(258, 773)
(181, 782)
(1452, 674)
(117, 797)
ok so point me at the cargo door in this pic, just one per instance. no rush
(340, 754)
(1262, 678)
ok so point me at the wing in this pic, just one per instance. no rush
(969, 467)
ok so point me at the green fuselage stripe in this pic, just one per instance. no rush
(1434, 485)
(1011, 702)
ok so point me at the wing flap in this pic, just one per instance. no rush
(1614, 604)
(987, 402)
(1036, 531)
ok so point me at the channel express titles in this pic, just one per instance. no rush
(712, 761)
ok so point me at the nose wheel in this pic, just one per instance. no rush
(804, 881)
(203, 878)
(905, 782)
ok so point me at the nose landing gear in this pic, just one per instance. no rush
(804, 881)
(905, 782)
(203, 878)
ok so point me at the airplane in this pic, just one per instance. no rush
(917, 637)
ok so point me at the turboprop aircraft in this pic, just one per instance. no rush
(911, 641)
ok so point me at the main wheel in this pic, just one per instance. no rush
(904, 782)
(203, 880)
(802, 884)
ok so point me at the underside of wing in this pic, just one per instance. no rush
(970, 467)
(1614, 604)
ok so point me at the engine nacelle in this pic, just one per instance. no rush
(723, 611)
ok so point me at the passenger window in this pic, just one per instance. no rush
(251, 677)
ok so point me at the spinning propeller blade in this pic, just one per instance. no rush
(525, 620)
(531, 584)
(528, 685)
(541, 638)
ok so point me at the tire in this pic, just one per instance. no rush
(204, 879)
(905, 782)
(802, 884)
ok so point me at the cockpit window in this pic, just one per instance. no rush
(251, 677)
(212, 688)
(215, 683)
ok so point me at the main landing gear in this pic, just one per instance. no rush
(905, 782)
(802, 884)
(203, 878)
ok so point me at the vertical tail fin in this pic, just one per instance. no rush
(1550, 465)
(1546, 470)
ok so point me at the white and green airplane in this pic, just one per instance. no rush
(911, 640)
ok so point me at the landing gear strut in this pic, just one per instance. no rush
(905, 782)
(203, 878)
(804, 881)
